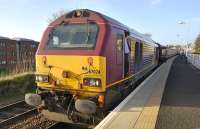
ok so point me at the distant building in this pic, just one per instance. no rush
(189, 48)
(17, 55)
(7, 54)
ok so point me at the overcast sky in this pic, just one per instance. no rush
(29, 18)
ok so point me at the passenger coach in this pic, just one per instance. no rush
(86, 63)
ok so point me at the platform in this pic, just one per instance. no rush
(140, 109)
(180, 107)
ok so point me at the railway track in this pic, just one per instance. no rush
(12, 113)
(67, 126)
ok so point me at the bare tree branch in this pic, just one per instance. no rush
(57, 14)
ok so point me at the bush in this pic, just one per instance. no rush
(17, 86)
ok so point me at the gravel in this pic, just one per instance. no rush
(35, 122)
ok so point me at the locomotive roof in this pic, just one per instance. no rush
(112, 21)
(133, 32)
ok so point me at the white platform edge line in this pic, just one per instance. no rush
(111, 115)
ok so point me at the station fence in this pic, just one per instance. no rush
(194, 59)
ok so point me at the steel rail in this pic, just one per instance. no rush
(15, 112)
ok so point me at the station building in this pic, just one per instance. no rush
(17, 55)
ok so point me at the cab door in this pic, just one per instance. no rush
(120, 52)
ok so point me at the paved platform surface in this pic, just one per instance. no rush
(140, 109)
(180, 107)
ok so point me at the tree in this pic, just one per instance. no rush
(197, 44)
(57, 14)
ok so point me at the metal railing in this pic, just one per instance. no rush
(194, 59)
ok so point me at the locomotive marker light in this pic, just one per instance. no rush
(90, 61)
(101, 99)
(44, 60)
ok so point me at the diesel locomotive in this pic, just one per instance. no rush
(86, 63)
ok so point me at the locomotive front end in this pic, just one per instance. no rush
(70, 73)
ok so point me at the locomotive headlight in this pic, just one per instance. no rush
(97, 82)
(42, 78)
(92, 82)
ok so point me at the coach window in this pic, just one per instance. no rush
(141, 53)
(138, 54)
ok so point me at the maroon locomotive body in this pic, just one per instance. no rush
(87, 63)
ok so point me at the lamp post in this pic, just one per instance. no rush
(181, 22)
(188, 31)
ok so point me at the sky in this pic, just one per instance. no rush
(29, 18)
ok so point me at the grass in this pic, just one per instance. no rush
(11, 77)
(16, 86)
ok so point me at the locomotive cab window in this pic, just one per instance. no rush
(73, 36)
